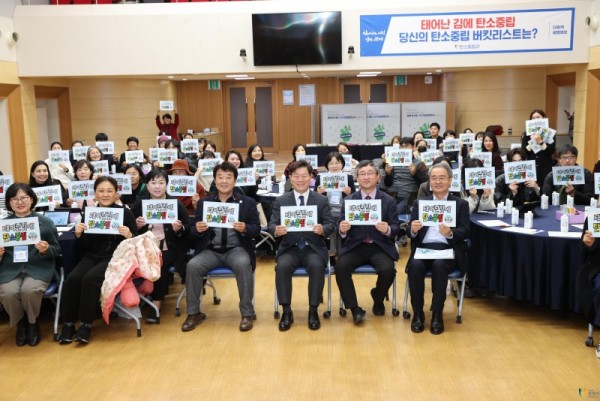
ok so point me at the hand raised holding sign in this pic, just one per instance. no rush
(588, 238)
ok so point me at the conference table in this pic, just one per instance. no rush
(359, 152)
(537, 267)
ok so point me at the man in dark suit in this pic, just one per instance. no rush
(436, 237)
(364, 244)
(303, 248)
(231, 247)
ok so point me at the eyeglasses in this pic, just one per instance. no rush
(369, 174)
(571, 157)
(21, 199)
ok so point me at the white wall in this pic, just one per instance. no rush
(48, 125)
(205, 38)
(566, 95)
(8, 52)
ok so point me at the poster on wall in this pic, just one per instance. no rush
(489, 31)
(417, 116)
(344, 123)
(383, 122)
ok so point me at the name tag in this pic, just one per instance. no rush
(21, 254)
(335, 197)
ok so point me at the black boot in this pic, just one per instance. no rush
(33, 334)
(21, 338)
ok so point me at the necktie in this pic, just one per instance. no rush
(301, 244)
(368, 239)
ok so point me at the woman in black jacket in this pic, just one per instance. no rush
(172, 237)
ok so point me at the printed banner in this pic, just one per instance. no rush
(501, 31)
(536, 125)
(333, 181)
(181, 185)
(434, 212)
(362, 212)
(519, 171)
(21, 231)
(219, 214)
(573, 175)
(100, 167)
(418, 116)
(80, 152)
(429, 156)
(108, 147)
(299, 218)
(246, 177)
(485, 157)
(58, 156)
(103, 220)
(167, 156)
(48, 195)
(456, 180)
(480, 178)
(159, 211)
(397, 157)
(264, 167)
(206, 166)
(313, 160)
(344, 123)
(594, 221)
(451, 145)
(81, 190)
(466, 139)
(134, 156)
(190, 146)
(5, 182)
(383, 120)
(123, 183)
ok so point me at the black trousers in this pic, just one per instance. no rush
(291, 259)
(81, 291)
(364, 254)
(417, 269)
(161, 286)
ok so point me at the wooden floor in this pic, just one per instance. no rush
(503, 350)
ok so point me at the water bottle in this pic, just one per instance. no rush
(593, 202)
(282, 184)
(500, 210)
(555, 198)
(113, 169)
(269, 183)
(544, 202)
(515, 217)
(570, 201)
(51, 206)
(528, 220)
(564, 223)
(508, 205)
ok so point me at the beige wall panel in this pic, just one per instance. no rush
(114, 109)
(199, 107)
(8, 73)
(417, 91)
(132, 88)
(494, 79)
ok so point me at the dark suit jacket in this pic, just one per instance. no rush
(460, 232)
(248, 215)
(357, 234)
(314, 241)
(583, 192)
(583, 283)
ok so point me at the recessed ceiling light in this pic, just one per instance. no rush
(369, 73)
(438, 71)
(429, 73)
(243, 78)
(362, 75)
(171, 76)
(237, 76)
(184, 79)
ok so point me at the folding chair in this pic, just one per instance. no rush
(302, 272)
(215, 273)
(589, 341)
(54, 293)
(137, 320)
(455, 277)
(370, 270)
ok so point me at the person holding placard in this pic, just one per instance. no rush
(39, 176)
(404, 180)
(62, 171)
(83, 171)
(479, 200)
(519, 193)
(431, 235)
(138, 185)
(298, 149)
(425, 187)
(26, 270)
(76, 143)
(588, 276)
(133, 144)
(222, 238)
(582, 191)
(180, 168)
(364, 243)
(299, 244)
(167, 126)
(81, 290)
(204, 179)
(490, 144)
(172, 237)
(342, 148)
(434, 133)
(112, 159)
(234, 157)
(544, 159)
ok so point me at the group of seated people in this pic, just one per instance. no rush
(25, 272)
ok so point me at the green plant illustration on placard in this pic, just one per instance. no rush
(379, 132)
(345, 134)
(424, 128)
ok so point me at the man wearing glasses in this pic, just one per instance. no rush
(367, 245)
(582, 193)
(301, 248)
